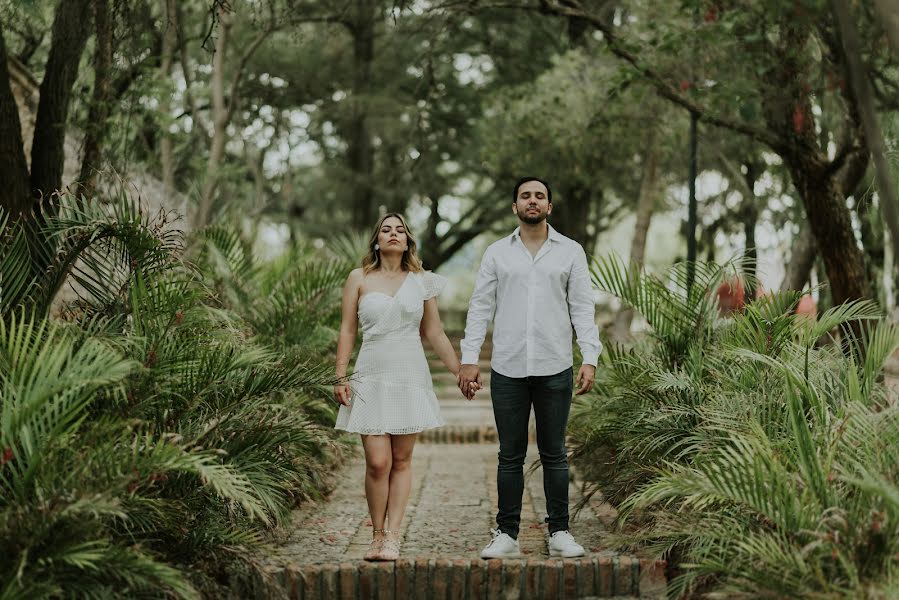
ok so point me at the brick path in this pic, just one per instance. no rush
(451, 510)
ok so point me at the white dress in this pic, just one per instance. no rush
(391, 387)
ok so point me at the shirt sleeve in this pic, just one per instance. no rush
(480, 310)
(582, 309)
(433, 284)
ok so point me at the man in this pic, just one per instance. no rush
(537, 282)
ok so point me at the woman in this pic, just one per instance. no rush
(392, 397)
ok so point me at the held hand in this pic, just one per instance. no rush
(463, 387)
(468, 389)
(469, 380)
(585, 376)
(475, 386)
(342, 393)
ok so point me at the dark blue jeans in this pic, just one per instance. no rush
(512, 398)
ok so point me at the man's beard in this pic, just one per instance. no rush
(533, 219)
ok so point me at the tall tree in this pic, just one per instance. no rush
(782, 43)
(646, 203)
(573, 126)
(14, 193)
(864, 99)
(169, 47)
(101, 98)
(224, 102)
(361, 26)
(70, 31)
(24, 191)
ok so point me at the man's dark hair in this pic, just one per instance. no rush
(524, 180)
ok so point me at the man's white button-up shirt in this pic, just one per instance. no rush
(537, 301)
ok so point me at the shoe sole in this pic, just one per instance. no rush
(518, 555)
(559, 554)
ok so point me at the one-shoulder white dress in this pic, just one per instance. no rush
(391, 387)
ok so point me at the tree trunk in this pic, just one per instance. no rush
(886, 190)
(831, 224)
(224, 108)
(891, 277)
(645, 205)
(219, 121)
(71, 28)
(692, 219)
(873, 240)
(100, 101)
(750, 217)
(571, 215)
(189, 99)
(169, 42)
(254, 164)
(788, 109)
(428, 250)
(14, 193)
(360, 153)
(802, 259)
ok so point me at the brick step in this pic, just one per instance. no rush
(607, 576)
(452, 505)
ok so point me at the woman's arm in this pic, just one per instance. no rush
(347, 337)
(432, 330)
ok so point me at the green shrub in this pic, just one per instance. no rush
(154, 435)
(758, 462)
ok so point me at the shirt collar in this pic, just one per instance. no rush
(553, 234)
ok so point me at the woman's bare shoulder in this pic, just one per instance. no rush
(354, 279)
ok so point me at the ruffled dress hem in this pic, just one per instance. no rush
(383, 432)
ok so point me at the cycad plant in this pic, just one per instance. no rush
(759, 462)
(153, 435)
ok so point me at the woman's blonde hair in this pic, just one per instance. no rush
(372, 260)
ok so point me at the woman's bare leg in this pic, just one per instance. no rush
(378, 463)
(400, 479)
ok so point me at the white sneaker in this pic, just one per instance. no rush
(501, 546)
(562, 543)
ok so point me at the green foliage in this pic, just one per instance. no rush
(154, 436)
(758, 462)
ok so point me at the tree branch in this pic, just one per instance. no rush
(573, 9)
(244, 59)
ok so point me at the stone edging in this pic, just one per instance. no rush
(603, 576)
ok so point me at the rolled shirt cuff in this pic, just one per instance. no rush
(591, 359)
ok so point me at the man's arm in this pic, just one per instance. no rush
(582, 311)
(480, 310)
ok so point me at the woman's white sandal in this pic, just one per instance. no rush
(390, 549)
(376, 546)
